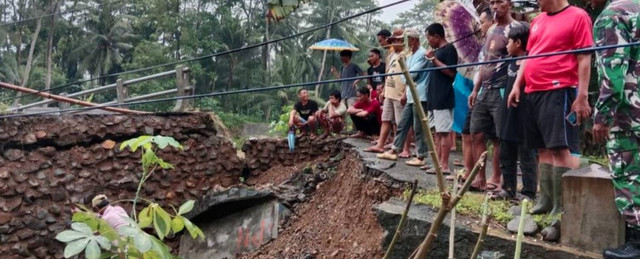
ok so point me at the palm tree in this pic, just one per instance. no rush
(107, 37)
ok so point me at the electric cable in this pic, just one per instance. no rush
(212, 55)
(576, 51)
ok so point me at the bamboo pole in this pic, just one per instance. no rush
(400, 226)
(66, 99)
(485, 226)
(426, 129)
(523, 213)
(452, 230)
(424, 247)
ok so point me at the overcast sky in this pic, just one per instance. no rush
(389, 13)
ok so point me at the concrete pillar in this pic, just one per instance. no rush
(590, 220)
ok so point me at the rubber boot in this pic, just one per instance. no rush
(631, 249)
(544, 203)
(556, 193)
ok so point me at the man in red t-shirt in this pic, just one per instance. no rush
(555, 86)
(365, 114)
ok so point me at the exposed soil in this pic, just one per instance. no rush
(279, 173)
(337, 222)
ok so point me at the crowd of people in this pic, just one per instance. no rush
(528, 110)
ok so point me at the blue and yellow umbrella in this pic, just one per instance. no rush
(333, 44)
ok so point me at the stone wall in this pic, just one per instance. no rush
(48, 163)
(263, 153)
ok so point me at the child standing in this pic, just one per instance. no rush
(511, 134)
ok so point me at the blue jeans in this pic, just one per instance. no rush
(410, 118)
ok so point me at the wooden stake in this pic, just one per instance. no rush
(485, 226)
(424, 247)
(452, 229)
(400, 226)
(523, 212)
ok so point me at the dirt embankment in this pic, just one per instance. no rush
(338, 221)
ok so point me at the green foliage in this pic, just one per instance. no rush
(80, 238)
(471, 205)
(601, 160)
(149, 158)
(98, 239)
(279, 9)
(281, 126)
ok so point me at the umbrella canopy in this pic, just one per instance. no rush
(333, 44)
(462, 28)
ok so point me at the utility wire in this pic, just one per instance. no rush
(214, 54)
(56, 13)
(576, 51)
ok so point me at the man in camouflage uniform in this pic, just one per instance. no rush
(617, 115)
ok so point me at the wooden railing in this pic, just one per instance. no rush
(183, 88)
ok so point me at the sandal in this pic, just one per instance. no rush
(373, 150)
(475, 189)
(387, 156)
(404, 156)
(492, 186)
(458, 162)
(461, 178)
(425, 167)
(433, 171)
(415, 162)
(502, 195)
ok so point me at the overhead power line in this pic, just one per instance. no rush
(576, 51)
(217, 53)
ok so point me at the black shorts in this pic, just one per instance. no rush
(486, 117)
(546, 126)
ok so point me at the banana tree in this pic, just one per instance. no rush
(279, 9)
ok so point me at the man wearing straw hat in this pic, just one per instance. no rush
(416, 61)
(394, 94)
(114, 215)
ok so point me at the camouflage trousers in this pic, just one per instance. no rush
(624, 162)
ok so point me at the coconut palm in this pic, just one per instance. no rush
(107, 37)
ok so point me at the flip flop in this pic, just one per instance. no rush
(475, 189)
(387, 156)
(501, 196)
(492, 186)
(404, 156)
(461, 178)
(425, 167)
(373, 150)
(433, 171)
(458, 162)
(415, 162)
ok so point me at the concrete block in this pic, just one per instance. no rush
(590, 220)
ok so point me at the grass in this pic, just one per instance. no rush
(602, 160)
(471, 205)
